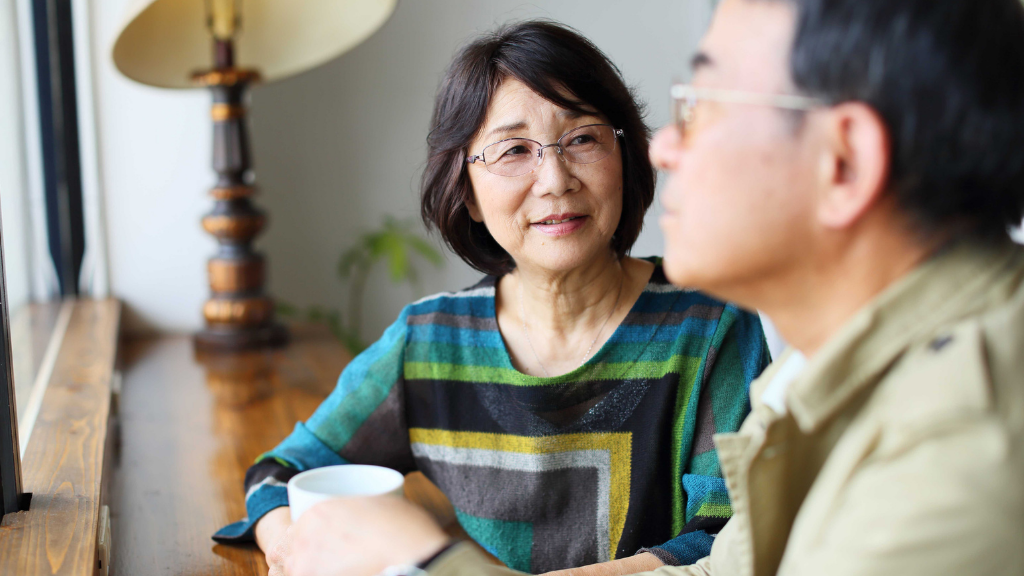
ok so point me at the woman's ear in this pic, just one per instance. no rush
(855, 164)
(474, 210)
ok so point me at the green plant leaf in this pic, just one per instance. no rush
(426, 250)
(398, 260)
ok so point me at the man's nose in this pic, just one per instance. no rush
(664, 149)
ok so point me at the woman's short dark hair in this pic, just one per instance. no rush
(552, 60)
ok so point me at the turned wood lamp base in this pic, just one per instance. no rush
(239, 315)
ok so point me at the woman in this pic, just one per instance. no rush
(564, 404)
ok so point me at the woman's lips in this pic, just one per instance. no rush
(566, 224)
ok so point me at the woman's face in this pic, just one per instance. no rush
(519, 210)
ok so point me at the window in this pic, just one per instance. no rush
(42, 231)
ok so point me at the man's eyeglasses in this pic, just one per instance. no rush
(518, 156)
(686, 97)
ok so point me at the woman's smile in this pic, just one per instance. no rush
(558, 225)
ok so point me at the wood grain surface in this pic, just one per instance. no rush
(64, 459)
(191, 426)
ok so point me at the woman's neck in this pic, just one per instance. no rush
(551, 323)
(564, 303)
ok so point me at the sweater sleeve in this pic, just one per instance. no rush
(737, 355)
(362, 421)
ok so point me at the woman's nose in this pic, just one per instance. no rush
(664, 149)
(552, 173)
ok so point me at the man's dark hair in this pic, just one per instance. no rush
(947, 77)
(563, 67)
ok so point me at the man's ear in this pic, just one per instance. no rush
(855, 163)
(474, 210)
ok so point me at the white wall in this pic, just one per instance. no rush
(335, 149)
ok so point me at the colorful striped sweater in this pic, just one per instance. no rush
(545, 473)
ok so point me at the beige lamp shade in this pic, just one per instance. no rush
(163, 42)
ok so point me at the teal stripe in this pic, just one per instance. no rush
(443, 353)
(619, 353)
(363, 385)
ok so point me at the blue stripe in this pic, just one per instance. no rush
(459, 336)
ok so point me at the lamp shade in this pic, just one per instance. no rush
(163, 42)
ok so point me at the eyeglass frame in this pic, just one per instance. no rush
(681, 92)
(616, 132)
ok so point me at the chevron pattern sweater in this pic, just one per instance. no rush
(610, 459)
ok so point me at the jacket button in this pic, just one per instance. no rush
(940, 343)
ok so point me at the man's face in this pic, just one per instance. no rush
(740, 189)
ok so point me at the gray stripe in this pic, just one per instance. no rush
(597, 459)
(557, 504)
(383, 438)
(454, 320)
(663, 288)
(699, 311)
(485, 291)
(268, 481)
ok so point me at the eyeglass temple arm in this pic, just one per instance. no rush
(786, 101)
(473, 159)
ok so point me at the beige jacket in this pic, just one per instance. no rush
(902, 448)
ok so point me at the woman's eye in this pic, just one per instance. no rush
(582, 139)
(516, 151)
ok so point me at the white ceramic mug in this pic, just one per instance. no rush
(313, 486)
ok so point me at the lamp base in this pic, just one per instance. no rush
(233, 340)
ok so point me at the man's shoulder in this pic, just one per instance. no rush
(963, 374)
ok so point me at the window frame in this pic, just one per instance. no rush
(12, 496)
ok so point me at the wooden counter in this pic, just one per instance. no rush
(63, 464)
(189, 428)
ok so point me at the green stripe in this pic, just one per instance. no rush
(712, 510)
(682, 365)
(678, 499)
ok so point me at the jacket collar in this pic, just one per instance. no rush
(946, 287)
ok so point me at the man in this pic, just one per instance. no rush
(851, 168)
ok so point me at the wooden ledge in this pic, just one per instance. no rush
(64, 459)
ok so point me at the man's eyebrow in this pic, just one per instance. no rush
(701, 60)
(506, 128)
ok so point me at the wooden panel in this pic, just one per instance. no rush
(64, 459)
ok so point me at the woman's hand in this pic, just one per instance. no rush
(273, 536)
(361, 537)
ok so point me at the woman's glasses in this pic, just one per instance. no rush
(518, 156)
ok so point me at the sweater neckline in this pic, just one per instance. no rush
(657, 279)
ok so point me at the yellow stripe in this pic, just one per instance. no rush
(617, 444)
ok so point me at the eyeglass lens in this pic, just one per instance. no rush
(682, 111)
(518, 156)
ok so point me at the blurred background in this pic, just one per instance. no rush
(336, 150)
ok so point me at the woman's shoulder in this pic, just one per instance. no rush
(666, 294)
(475, 300)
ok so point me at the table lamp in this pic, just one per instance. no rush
(226, 45)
